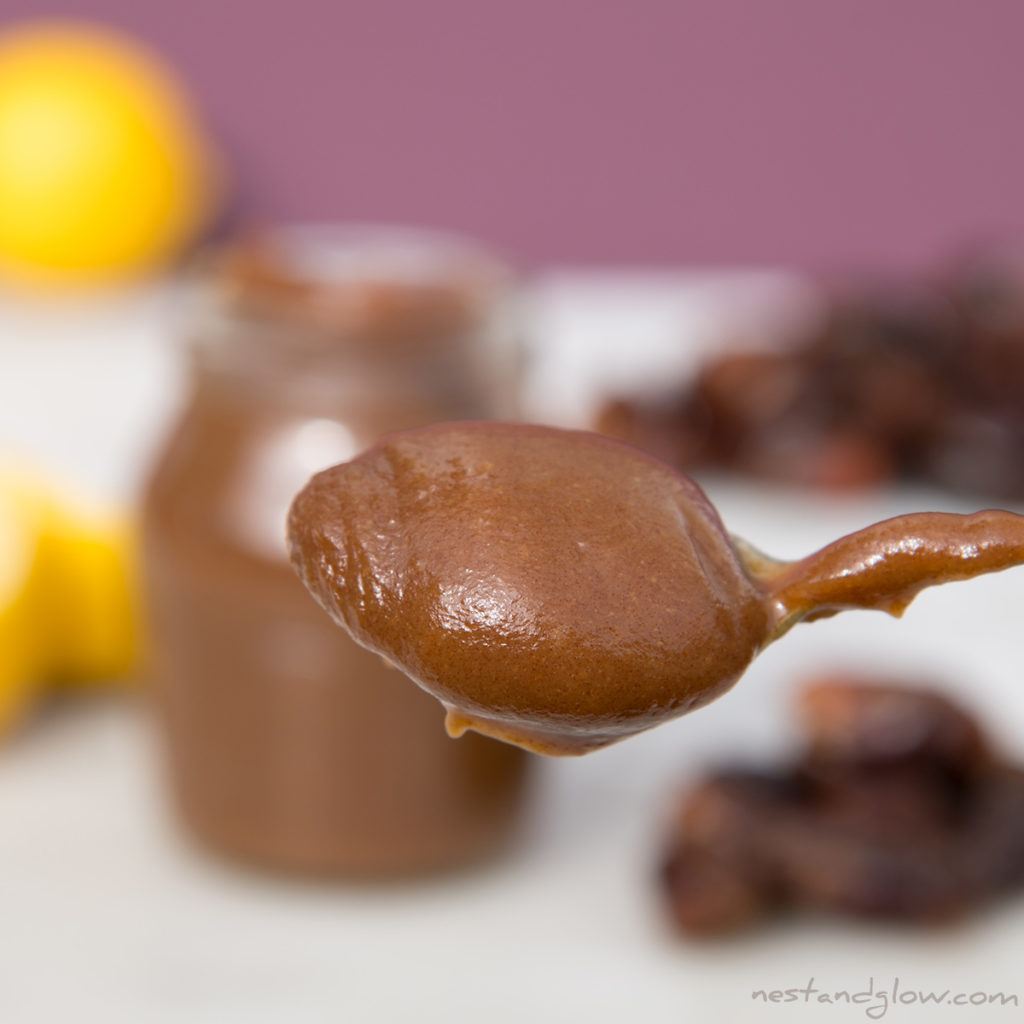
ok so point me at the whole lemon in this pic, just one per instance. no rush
(104, 172)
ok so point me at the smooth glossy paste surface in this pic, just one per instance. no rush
(555, 588)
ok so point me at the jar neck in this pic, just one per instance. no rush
(259, 363)
(323, 315)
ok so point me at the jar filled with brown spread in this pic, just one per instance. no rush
(288, 744)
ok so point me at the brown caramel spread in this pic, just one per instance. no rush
(289, 745)
(560, 590)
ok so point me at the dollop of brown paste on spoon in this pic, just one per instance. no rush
(560, 590)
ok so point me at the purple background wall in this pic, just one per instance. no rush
(821, 133)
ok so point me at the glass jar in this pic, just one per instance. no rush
(288, 744)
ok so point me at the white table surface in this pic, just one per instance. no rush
(109, 914)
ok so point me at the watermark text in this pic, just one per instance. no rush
(878, 997)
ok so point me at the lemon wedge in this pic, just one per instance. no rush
(19, 599)
(68, 613)
(88, 571)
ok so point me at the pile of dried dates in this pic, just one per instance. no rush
(923, 383)
(899, 809)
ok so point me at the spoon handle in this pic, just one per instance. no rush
(886, 565)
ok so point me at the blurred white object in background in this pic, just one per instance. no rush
(592, 335)
(88, 387)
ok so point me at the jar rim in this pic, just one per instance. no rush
(377, 280)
